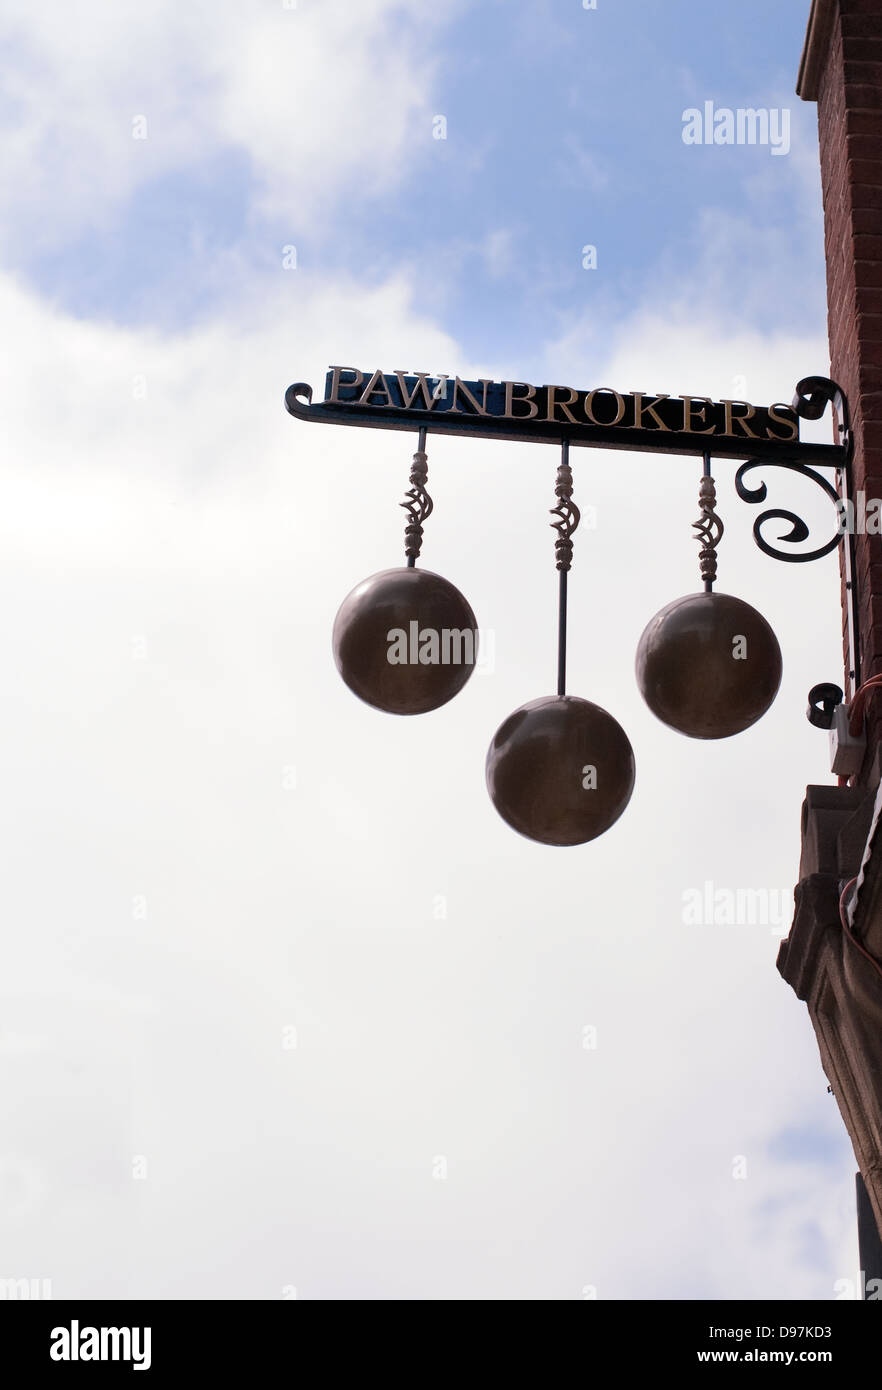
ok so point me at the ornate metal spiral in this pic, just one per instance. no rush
(812, 396)
(569, 515)
(418, 505)
(710, 529)
(799, 530)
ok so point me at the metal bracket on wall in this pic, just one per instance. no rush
(813, 395)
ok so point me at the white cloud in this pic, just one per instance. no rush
(325, 100)
(207, 523)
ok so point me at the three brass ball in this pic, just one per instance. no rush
(560, 770)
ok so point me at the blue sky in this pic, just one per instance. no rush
(564, 129)
(237, 846)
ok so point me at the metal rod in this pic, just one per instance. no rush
(418, 502)
(562, 635)
(869, 1242)
(849, 575)
(708, 583)
(562, 601)
(421, 446)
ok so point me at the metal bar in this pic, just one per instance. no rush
(706, 472)
(568, 519)
(421, 448)
(541, 431)
(869, 1243)
(562, 635)
(849, 574)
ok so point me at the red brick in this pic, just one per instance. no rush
(865, 97)
(867, 300)
(871, 435)
(868, 272)
(864, 171)
(864, 49)
(862, 26)
(868, 7)
(863, 123)
(866, 195)
(867, 221)
(871, 354)
(863, 73)
(868, 248)
(865, 146)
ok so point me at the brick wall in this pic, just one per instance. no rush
(848, 88)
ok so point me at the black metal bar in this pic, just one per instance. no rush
(421, 447)
(849, 575)
(869, 1243)
(706, 472)
(562, 582)
(562, 635)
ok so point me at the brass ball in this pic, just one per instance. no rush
(708, 665)
(405, 640)
(560, 770)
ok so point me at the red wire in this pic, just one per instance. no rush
(845, 927)
(859, 700)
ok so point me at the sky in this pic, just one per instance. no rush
(287, 1009)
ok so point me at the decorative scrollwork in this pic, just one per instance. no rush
(418, 505)
(710, 529)
(813, 394)
(569, 515)
(799, 530)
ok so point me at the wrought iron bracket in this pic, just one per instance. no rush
(813, 395)
(822, 701)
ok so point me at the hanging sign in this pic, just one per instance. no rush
(599, 416)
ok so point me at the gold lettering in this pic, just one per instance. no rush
(527, 399)
(373, 389)
(422, 385)
(459, 385)
(336, 383)
(792, 425)
(563, 405)
(640, 408)
(689, 408)
(732, 419)
(589, 405)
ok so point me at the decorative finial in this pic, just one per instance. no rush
(569, 515)
(418, 503)
(710, 530)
